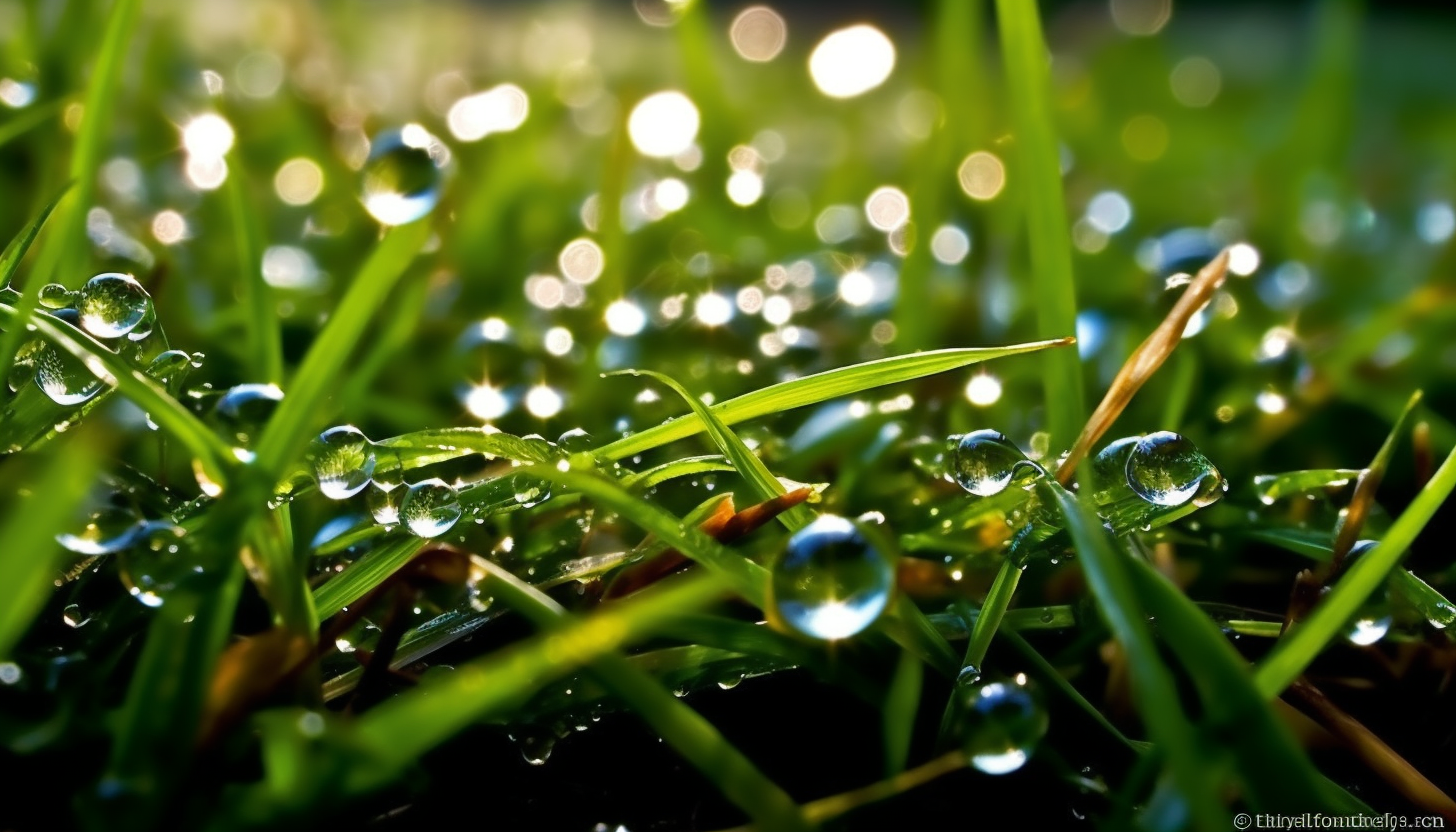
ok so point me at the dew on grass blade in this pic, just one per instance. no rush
(343, 462)
(384, 504)
(430, 508)
(62, 376)
(831, 581)
(105, 532)
(157, 563)
(1166, 469)
(111, 305)
(242, 411)
(999, 724)
(529, 490)
(1373, 620)
(74, 615)
(166, 365)
(985, 460)
(56, 296)
(404, 174)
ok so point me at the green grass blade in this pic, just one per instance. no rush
(364, 574)
(402, 729)
(685, 467)
(1037, 163)
(264, 338)
(685, 729)
(27, 535)
(1293, 653)
(299, 413)
(902, 705)
(32, 118)
(1272, 487)
(812, 389)
(143, 390)
(1153, 684)
(764, 485)
(11, 339)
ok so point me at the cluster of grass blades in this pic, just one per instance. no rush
(225, 606)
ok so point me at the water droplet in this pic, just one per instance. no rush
(62, 376)
(1368, 628)
(1000, 724)
(384, 504)
(343, 462)
(529, 490)
(985, 460)
(536, 746)
(731, 682)
(1166, 469)
(111, 305)
(243, 410)
(403, 174)
(166, 365)
(831, 582)
(430, 508)
(56, 296)
(158, 562)
(969, 675)
(75, 616)
(106, 531)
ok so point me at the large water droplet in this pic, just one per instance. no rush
(62, 376)
(111, 305)
(384, 504)
(403, 174)
(242, 411)
(106, 531)
(56, 296)
(1166, 469)
(831, 582)
(430, 508)
(343, 462)
(529, 490)
(999, 724)
(985, 460)
(157, 563)
(166, 365)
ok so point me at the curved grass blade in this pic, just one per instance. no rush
(264, 335)
(685, 467)
(1271, 488)
(685, 729)
(1038, 163)
(27, 534)
(1154, 686)
(214, 455)
(299, 412)
(29, 297)
(1293, 653)
(819, 387)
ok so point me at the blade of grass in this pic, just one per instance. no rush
(403, 728)
(1037, 161)
(143, 390)
(762, 483)
(264, 338)
(1352, 519)
(27, 534)
(685, 467)
(32, 118)
(686, 730)
(1293, 653)
(11, 339)
(1153, 684)
(299, 412)
(812, 389)
(1048, 672)
(902, 704)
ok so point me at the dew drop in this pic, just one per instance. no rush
(158, 562)
(384, 504)
(166, 365)
(111, 305)
(1166, 469)
(430, 508)
(343, 462)
(1000, 724)
(75, 616)
(403, 174)
(62, 376)
(831, 582)
(56, 296)
(529, 490)
(536, 746)
(985, 460)
(106, 532)
(968, 676)
(242, 411)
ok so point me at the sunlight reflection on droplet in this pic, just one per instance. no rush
(169, 227)
(625, 318)
(950, 245)
(745, 187)
(581, 260)
(758, 34)
(982, 175)
(663, 124)
(299, 181)
(543, 402)
(559, 340)
(497, 110)
(209, 136)
(1274, 344)
(856, 288)
(983, 390)
(852, 61)
(712, 309)
(670, 195)
(887, 208)
(1243, 259)
(777, 310)
(486, 402)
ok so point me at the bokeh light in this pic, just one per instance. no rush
(852, 61)
(982, 176)
(758, 34)
(663, 124)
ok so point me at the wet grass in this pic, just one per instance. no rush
(1235, 619)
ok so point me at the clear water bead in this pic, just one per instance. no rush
(430, 508)
(56, 296)
(403, 174)
(112, 304)
(1000, 724)
(831, 582)
(60, 375)
(985, 460)
(243, 410)
(157, 562)
(1166, 469)
(343, 462)
(105, 532)
(384, 504)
